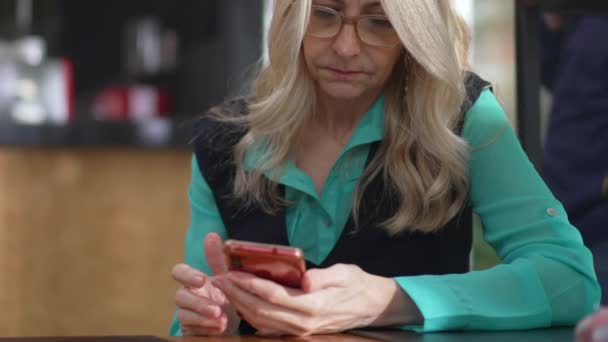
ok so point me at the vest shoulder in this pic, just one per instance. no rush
(474, 85)
(215, 130)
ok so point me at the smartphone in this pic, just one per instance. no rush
(282, 264)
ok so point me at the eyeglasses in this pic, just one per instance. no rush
(375, 30)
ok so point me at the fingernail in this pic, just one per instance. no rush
(216, 312)
(600, 335)
(222, 325)
(219, 282)
(199, 280)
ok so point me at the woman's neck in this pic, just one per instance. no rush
(339, 117)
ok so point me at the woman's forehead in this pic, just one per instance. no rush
(362, 3)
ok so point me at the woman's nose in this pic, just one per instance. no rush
(347, 42)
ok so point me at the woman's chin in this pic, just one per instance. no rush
(342, 91)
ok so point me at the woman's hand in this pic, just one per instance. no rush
(593, 327)
(203, 309)
(335, 299)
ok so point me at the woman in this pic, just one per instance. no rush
(368, 145)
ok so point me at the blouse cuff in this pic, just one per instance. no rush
(442, 306)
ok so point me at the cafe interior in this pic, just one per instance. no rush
(97, 104)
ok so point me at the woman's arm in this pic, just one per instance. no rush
(204, 219)
(547, 276)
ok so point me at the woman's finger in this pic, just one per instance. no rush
(192, 319)
(269, 333)
(210, 292)
(188, 276)
(198, 331)
(214, 255)
(185, 299)
(264, 316)
(267, 326)
(273, 293)
(303, 321)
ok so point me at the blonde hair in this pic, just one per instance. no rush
(421, 155)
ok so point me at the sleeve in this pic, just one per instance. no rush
(204, 219)
(546, 276)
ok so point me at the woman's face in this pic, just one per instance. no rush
(346, 66)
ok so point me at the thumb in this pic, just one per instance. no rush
(214, 254)
(318, 279)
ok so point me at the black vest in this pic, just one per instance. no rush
(371, 247)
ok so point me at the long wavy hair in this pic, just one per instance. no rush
(421, 155)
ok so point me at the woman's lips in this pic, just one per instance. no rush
(343, 74)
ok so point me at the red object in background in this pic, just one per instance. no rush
(68, 69)
(131, 103)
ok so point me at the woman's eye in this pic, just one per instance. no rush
(324, 14)
(381, 23)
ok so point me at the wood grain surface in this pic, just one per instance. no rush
(88, 238)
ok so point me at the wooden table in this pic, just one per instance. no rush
(542, 335)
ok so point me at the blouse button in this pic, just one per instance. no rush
(552, 212)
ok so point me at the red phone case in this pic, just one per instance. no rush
(282, 264)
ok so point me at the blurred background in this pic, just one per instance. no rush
(96, 98)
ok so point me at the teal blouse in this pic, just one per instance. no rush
(546, 276)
